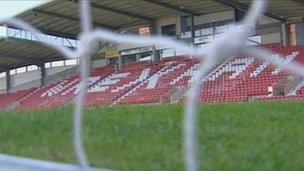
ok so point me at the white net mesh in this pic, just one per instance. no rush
(230, 44)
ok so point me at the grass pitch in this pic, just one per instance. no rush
(245, 136)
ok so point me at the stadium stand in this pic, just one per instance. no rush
(246, 78)
(59, 93)
(107, 90)
(158, 85)
(239, 79)
(165, 81)
(7, 99)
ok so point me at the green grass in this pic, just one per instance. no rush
(248, 136)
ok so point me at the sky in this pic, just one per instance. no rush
(10, 8)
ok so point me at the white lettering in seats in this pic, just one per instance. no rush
(104, 84)
(237, 66)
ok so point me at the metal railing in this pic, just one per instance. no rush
(22, 34)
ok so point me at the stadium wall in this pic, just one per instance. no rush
(208, 18)
(271, 38)
(2, 85)
(168, 21)
(270, 29)
(299, 31)
(99, 63)
(30, 77)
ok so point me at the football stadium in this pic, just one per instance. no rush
(153, 85)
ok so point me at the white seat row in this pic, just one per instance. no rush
(288, 59)
(237, 66)
(104, 84)
(259, 69)
(154, 79)
(144, 75)
(75, 87)
(189, 72)
(55, 89)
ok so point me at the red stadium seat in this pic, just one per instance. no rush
(238, 79)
